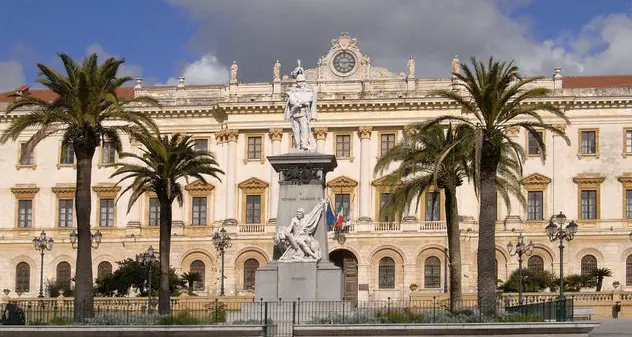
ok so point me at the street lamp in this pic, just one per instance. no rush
(42, 243)
(221, 241)
(520, 249)
(556, 231)
(95, 239)
(148, 258)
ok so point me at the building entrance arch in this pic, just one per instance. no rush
(348, 263)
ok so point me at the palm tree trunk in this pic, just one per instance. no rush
(454, 248)
(164, 295)
(84, 296)
(486, 259)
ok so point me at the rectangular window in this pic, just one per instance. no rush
(383, 199)
(387, 142)
(535, 205)
(27, 159)
(154, 212)
(67, 155)
(533, 143)
(343, 146)
(342, 200)
(25, 213)
(628, 204)
(254, 147)
(199, 211)
(253, 209)
(108, 153)
(433, 206)
(589, 204)
(201, 144)
(589, 142)
(628, 141)
(65, 212)
(106, 211)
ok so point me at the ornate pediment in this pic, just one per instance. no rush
(106, 189)
(253, 184)
(342, 182)
(199, 186)
(382, 182)
(589, 179)
(64, 190)
(536, 179)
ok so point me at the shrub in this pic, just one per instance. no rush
(183, 318)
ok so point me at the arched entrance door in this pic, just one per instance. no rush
(349, 264)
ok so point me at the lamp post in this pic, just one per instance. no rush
(95, 239)
(149, 258)
(520, 249)
(42, 243)
(221, 241)
(556, 231)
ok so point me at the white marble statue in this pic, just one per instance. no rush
(300, 110)
(298, 238)
(411, 66)
(456, 65)
(276, 71)
(233, 72)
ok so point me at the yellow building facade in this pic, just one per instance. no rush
(363, 110)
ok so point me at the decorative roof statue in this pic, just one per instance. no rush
(411, 67)
(300, 110)
(456, 65)
(276, 71)
(233, 72)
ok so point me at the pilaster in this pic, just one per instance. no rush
(320, 133)
(275, 136)
(364, 132)
(231, 176)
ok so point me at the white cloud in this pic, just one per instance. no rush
(11, 75)
(390, 31)
(126, 69)
(206, 70)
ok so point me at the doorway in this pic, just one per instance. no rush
(348, 263)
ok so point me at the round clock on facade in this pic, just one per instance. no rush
(344, 62)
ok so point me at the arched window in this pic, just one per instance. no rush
(432, 273)
(535, 264)
(63, 273)
(387, 273)
(250, 267)
(199, 267)
(628, 271)
(22, 278)
(104, 268)
(589, 265)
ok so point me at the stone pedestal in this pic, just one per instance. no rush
(301, 185)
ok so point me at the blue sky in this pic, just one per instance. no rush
(199, 38)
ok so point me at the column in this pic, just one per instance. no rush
(220, 198)
(320, 133)
(231, 177)
(364, 132)
(275, 136)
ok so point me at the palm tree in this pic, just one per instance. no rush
(494, 101)
(164, 162)
(438, 157)
(86, 99)
(190, 278)
(600, 274)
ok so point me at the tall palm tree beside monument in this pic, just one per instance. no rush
(86, 100)
(442, 158)
(164, 162)
(494, 98)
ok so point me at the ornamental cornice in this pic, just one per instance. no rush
(106, 189)
(276, 134)
(560, 127)
(342, 182)
(364, 131)
(64, 189)
(589, 179)
(320, 133)
(626, 179)
(25, 190)
(382, 182)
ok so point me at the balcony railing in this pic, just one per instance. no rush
(387, 226)
(252, 228)
(432, 225)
